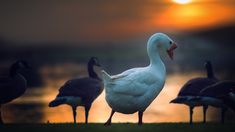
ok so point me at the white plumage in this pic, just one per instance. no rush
(134, 89)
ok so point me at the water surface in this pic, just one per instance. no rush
(33, 105)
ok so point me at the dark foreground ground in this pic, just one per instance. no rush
(120, 127)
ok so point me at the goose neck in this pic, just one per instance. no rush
(153, 53)
(210, 73)
(156, 61)
(91, 71)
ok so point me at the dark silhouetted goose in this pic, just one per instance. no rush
(192, 89)
(80, 91)
(134, 90)
(220, 95)
(14, 85)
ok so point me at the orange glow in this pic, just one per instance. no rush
(170, 17)
(182, 1)
(105, 21)
(194, 16)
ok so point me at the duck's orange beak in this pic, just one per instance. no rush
(171, 49)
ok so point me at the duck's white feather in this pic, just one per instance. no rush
(133, 82)
(133, 90)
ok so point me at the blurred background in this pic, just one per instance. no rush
(58, 37)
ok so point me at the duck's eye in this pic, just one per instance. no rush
(170, 42)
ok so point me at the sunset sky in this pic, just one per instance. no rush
(107, 20)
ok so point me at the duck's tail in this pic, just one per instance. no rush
(106, 77)
(179, 100)
(56, 102)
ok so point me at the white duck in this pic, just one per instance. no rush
(134, 90)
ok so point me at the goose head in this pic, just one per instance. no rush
(21, 64)
(162, 41)
(208, 65)
(94, 61)
(17, 66)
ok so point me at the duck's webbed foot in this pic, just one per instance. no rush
(109, 121)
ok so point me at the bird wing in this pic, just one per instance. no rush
(124, 74)
(134, 82)
(6, 85)
(5, 80)
(218, 90)
(194, 86)
(81, 87)
(5, 91)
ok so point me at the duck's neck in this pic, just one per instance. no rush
(91, 71)
(155, 59)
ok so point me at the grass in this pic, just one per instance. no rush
(119, 127)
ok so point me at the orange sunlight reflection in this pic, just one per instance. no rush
(159, 111)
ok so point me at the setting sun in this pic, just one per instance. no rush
(182, 1)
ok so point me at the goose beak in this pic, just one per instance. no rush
(171, 49)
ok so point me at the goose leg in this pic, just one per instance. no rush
(205, 107)
(87, 109)
(74, 114)
(108, 122)
(223, 111)
(191, 115)
(1, 121)
(140, 114)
